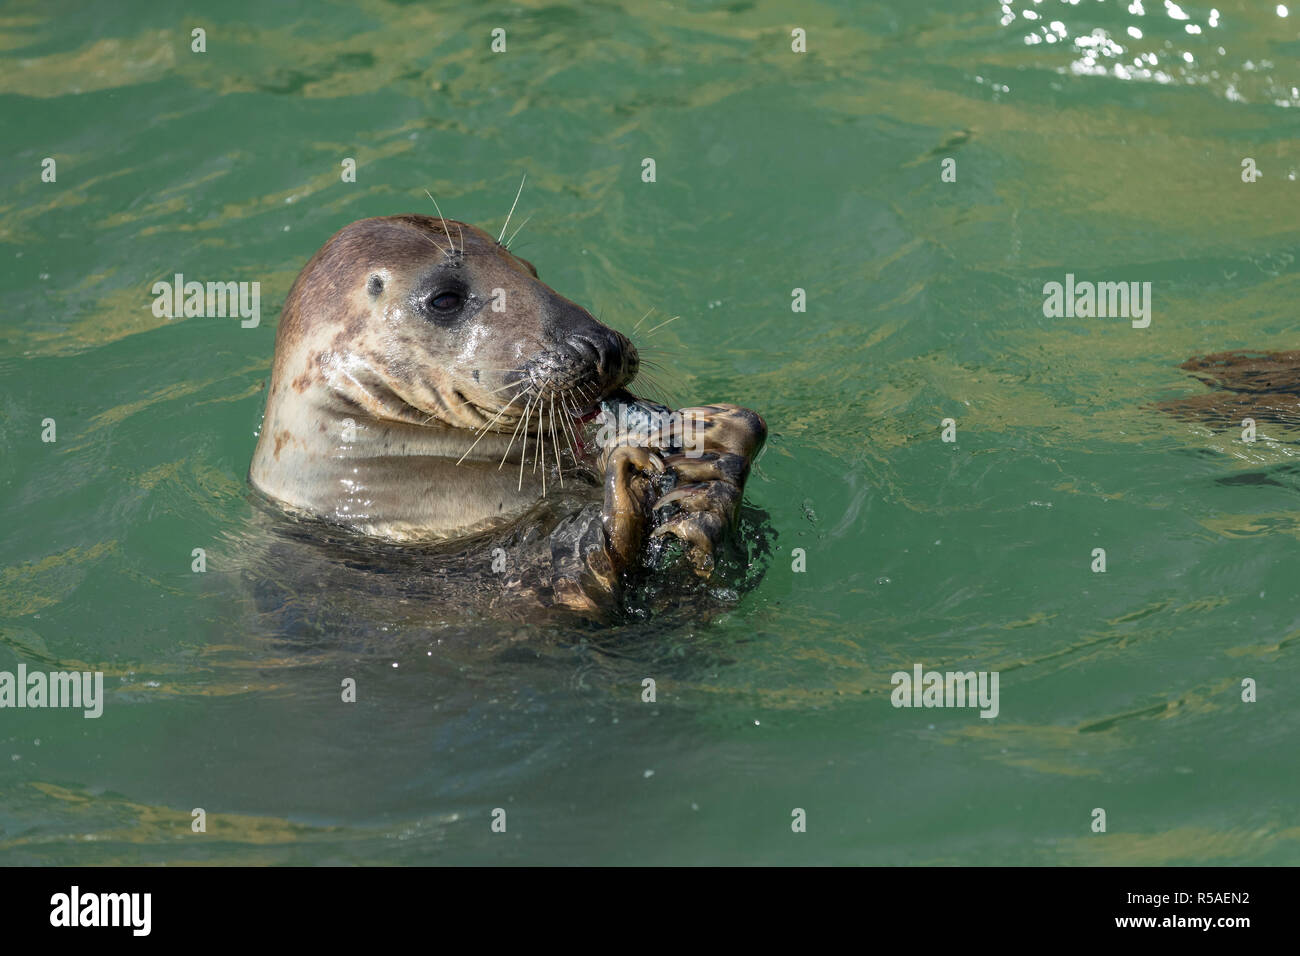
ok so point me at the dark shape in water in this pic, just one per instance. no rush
(1264, 386)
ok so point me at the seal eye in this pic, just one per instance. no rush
(447, 301)
(375, 285)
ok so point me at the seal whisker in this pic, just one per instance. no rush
(657, 391)
(512, 209)
(512, 439)
(503, 388)
(558, 467)
(541, 450)
(661, 349)
(566, 423)
(647, 376)
(540, 445)
(662, 324)
(429, 239)
(642, 319)
(523, 452)
(523, 457)
(484, 430)
(443, 220)
(582, 395)
(517, 231)
(658, 368)
(574, 426)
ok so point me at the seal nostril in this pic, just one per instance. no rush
(603, 353)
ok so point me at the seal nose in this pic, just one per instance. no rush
(587, 353)
(614, 357)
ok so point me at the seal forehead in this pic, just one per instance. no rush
(410, 237)
(326, 291)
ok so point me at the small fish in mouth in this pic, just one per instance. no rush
(629, 420)
(620, 418)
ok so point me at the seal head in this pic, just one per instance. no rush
(415, 356)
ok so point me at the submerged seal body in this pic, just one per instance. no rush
(428, 386)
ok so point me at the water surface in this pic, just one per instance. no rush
(1079, 146)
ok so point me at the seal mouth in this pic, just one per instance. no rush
(586, 443)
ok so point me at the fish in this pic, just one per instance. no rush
(626, 419)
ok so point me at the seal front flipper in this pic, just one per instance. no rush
(628, 494)
(700, 459)
(721, 443)
(591, 550)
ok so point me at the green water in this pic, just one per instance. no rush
(820, 171)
